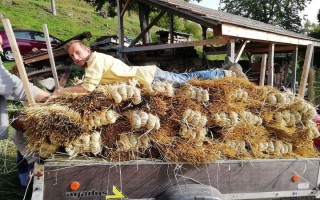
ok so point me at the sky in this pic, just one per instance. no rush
(311, 10)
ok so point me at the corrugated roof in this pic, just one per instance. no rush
(222, 17)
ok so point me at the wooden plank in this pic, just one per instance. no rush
(305, 71)
(241, 50)
(44, 56)
(271, 64)
(51, 58)
(125, 8)
(242, 32)
(263, 69)
(38, 182)
(174, 45)
(156, 19)
(18, 59)
(294, 69)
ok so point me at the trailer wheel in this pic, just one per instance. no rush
(190, 192)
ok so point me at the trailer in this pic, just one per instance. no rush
(94, 178)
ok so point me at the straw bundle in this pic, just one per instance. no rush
(228, 118)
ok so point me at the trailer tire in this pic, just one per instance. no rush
(190, 192)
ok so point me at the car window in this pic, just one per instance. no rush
(22, 35)
(39, 36)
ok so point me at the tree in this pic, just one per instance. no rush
(112, 5)
(282, 13)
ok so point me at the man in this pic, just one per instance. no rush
(104, 69)
(11, 89)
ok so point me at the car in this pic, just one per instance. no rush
(28, 41)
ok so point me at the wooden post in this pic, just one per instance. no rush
(143, 22)
(271, 64)
(171, 28)
(52, 63)
(18, 59)
(294, 69)
(231, 50)
(305, 70)
(263, 69)
(53, 7)
(120, 27)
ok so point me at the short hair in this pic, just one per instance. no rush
(69, 44)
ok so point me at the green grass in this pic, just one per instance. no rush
(73, 17)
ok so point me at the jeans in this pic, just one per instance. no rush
(179, 79)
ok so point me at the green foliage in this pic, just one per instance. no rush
(73, 17)
(283, 13)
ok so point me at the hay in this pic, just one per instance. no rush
(228, 118)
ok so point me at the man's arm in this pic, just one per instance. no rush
(74, 89)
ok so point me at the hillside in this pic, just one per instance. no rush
(73, 17)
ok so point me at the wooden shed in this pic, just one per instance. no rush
(235, 34)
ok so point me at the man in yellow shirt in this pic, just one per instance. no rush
(104, 69)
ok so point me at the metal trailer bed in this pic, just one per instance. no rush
(141, 179)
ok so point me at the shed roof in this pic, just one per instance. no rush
(215, 17)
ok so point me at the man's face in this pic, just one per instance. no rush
(79, 54)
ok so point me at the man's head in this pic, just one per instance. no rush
(78, 51)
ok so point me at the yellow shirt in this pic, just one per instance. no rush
(105, 69)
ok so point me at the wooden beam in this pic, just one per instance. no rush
(305, 70)
(51, 58)
(171, 28)
(125, 8)
(174, 45)
(294, 69)
(143, 19)
(182, 13)
(271, 64)
(120, 25)
(18, 59)
(263, 69)
(231, 50)
(251, 34)
(240, 51)
(147, 28)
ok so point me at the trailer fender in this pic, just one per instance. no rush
(190, 192)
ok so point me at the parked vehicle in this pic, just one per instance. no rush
(28, 41)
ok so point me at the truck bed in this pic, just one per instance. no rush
(143, 179)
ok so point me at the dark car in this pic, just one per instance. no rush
(28, 41)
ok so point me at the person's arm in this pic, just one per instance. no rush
(74, 89)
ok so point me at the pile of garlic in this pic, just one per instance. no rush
(104, 117)
(276, 147)
(197, 93)
(280, 99)
(239, 95)
(139, 119)
(193, 126)
(47, 148)
(163, 88)
(237, 145)
(287, 118)
(123, 92)
(132, 142)
(85, 143)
